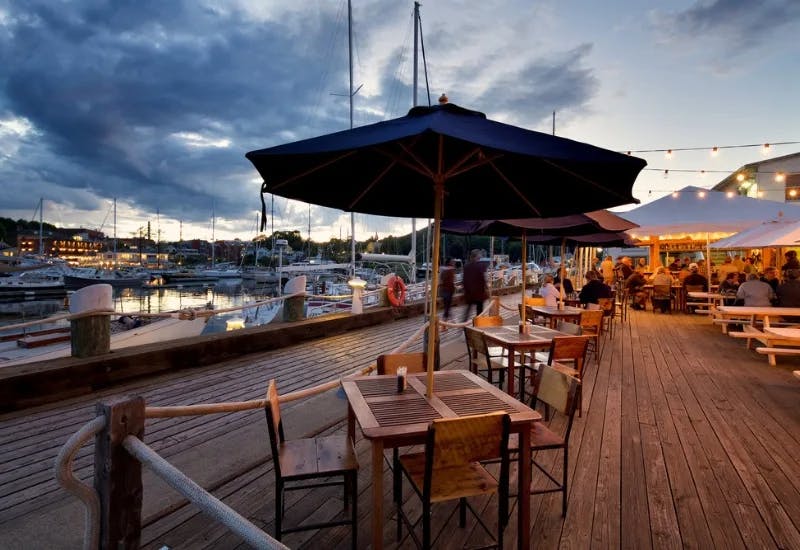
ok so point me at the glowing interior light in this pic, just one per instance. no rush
(730, 194)
(780, 177)
(674, 194)
(714, 151)
(793, 192)
(760, 194)
(701, 194)
(668, 154)
(740, 177)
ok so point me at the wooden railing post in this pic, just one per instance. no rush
(117, 475)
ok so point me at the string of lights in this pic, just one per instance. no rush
(766, 148)
(779, 176)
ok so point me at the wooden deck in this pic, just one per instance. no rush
(686, 440)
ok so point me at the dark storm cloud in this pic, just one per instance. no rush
(108, 85)
(741, 24)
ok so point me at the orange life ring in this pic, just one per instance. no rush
(396, 291)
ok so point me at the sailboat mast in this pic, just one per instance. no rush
(41, 226)
(213, 236)
(115, 233)
(416, 78)
(350, 56)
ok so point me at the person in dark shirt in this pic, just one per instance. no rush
(791, 262)
(770, 277)
(789, 291)
(635, 287)
(593, 289)
(695, 278)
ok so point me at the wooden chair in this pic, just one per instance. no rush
(530, 315)
(414, 362)
(298, 460)
(622, 304)
(480, 359)
(490, 321)
(450, 469)
(561, 392)
(568, 355)
(592, 325)
(573, 329)
(662, 298)
(608, 307)
(387, 363)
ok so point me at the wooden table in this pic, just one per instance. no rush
(509, 337)
(390, 419)
(714, 300)
(555, 314)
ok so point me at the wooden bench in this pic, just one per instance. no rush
(43, 340)
(775, 340)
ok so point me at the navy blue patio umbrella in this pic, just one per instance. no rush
(447, 161)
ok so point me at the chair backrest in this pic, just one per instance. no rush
(569, 328)
(661, 292)
(487, 321)
(476, 346)
(606, 306)
(591, 321)
(693, 288)
(569, 348)
(466, 439)
(274, 424)
(415, 362)
(556, 389)
(534, 301)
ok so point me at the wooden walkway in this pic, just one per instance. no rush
(686, 440)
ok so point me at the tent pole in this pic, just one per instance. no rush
(563, 272)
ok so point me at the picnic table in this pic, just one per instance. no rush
(776, 340)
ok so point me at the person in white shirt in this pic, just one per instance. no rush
(549, 292)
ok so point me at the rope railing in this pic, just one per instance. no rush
(198, 496)
(86, 493)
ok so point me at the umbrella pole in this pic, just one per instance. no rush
(563, 271)
(524, 277)
(434, 321)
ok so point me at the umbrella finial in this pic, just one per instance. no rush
(443, 99)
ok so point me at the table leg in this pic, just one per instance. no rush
(524, 490)
(351, 424)
(377, 494)
(511, 363)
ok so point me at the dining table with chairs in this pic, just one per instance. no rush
(392, 415)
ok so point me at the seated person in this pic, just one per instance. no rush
(729, 287)
(791, 262)
(755, 292)
(789, 291)
(549, 292)
(635, 286)
(695, 277)
(770, 277)
(568, 288)
(593, 289)
(661, 277)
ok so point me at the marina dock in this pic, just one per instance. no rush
(687, 439)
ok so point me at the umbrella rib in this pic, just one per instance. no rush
(583, 178)
(312, 170)
(371, 185)
(514, 188)
(460, 168)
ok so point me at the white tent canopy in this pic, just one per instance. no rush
(697, 210)
(774, 233)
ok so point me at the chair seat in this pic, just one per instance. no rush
(301, 458)
(542, 437)
(450, 483)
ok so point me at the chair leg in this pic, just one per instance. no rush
(462, 512)
(564, 484)
(278, 510)
(426, 525)
(398, 502)
(354, 509)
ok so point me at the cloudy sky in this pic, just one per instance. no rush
(155, 103)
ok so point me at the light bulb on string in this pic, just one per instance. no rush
(714, 151)
(668, 154)
(729, 194)
(793, 193)
(765, 149)
(739, 177)
(780, 177)
(666, 174)
(674, 194)
(701, 194)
